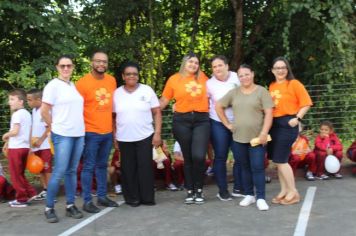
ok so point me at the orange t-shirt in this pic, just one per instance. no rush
(289, 97)
(190, 93)
(97, 96)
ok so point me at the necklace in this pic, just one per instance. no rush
(65, 81)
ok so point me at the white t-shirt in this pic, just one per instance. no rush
(217, 89)
(22, 139)
(176, 147)
(67, 108)
(38, 128)
(133, 113)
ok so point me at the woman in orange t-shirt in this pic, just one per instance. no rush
(191, 126)
(292, 102)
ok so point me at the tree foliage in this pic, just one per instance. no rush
(317, 36)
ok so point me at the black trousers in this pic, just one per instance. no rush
(192, 130)
(137, 172)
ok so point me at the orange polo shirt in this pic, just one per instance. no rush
(289, 97)
(189, 93)
(97, 96)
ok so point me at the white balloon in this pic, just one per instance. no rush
(332, 164)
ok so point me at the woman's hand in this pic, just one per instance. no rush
(116, 144)
(229, 126)
(263, 138)
(293, 122)
(156, 140)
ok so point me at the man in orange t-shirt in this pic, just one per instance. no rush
(97, 89)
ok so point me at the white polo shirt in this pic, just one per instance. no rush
(38, 128)
(67, 108)
(217, 89)
(134, 121)
(22, 139)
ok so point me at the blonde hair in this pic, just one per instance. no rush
(184, 61)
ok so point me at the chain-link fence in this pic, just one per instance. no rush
(333, 102)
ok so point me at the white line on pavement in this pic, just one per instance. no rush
(77, 227)
(305, 212)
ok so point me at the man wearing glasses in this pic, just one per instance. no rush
(97, 89)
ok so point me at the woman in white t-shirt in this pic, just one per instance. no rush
(137, 107)
(218, 85)
(62, 110)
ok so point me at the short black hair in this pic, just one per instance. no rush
(98, 51)
(220, 57)
(130, 64)
(37, 93)
(246, 66)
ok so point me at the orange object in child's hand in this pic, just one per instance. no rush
(300, 147)
(34, 164)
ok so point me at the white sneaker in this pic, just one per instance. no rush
(248, 200)
(16, 203)
(262, 205)
(172, 187)
(118, 189)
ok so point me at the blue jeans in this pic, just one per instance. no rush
(253, 168)
(221, 139)
(96, 154)
(67, 153)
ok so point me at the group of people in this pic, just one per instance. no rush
(87, 119)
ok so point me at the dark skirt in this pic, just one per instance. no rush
(283, 137)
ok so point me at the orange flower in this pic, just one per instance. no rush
(193, 88)
(102, 96)
(276, 95)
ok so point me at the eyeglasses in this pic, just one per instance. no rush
(131, 74)
(279, 68)
(97, 61)
(69, 66)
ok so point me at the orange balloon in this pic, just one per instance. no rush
(34, 164)
(301, 145)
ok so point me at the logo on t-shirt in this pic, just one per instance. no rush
(276, 95)
(102, 96)
(193, 88)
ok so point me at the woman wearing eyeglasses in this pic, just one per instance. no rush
(137, 108)
(62, 110)
(292, 102)
(191, 126)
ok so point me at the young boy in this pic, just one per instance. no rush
(18, 139)
(326, 143)
(39, 139)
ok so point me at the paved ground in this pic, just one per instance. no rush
(333, 212)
